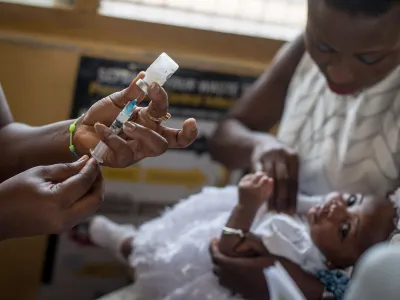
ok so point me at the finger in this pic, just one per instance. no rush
(243, 248)
(60, 172)
(88, 204)
(180, 138)
(269, 169)
(267, 185)
(226, 262)
(282, 186)
(214, 250)
(148, 142)
(293, 183)
(217, 271)
(126, 95)
(158, 106)
(118, 149)
(258, 176)
(78, 185)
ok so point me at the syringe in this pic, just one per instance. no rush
(115, 128)
(159, 72)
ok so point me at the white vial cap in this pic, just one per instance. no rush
(159, 72)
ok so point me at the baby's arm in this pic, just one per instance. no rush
(254, 190)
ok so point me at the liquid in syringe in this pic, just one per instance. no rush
(116, 128)
(159, 72)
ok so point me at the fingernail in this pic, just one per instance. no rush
(129, 127)
(194, 128)
(83, 158)
(99, 128)
(93, 161)
(155, 88)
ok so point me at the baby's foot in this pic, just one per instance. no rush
(109, 235)
(255, 189)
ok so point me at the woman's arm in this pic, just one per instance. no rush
(23, 147)
(259, 109)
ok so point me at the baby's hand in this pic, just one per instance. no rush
(254, 190)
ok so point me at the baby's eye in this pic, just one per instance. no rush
(352, 200)
(324, 48)
(344, 230)
(370, 60)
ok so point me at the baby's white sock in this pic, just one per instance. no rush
(107, 234)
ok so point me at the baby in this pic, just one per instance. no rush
(170, 254)
(332, 235)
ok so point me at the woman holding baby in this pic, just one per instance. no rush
(336, 93)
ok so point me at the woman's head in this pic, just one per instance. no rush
(355, 43)
(344, 228)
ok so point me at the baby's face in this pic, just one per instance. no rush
(344, 228)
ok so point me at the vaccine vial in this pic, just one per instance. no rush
(159, 72)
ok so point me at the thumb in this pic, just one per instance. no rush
(60, 172)
(243, 248)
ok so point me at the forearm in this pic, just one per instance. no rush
(241, 218)
(232, 144)
(24, 147)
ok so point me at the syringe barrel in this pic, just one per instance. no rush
(159, 72)
(99, 151)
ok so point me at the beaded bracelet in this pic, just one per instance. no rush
(72, 129)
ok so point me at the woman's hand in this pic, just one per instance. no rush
(245, 276)
(251, 246)
(49, 199)
(141, 138)
(282, 164)
(242, 276)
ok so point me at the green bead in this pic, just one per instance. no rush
(72, 148)
(72, 128)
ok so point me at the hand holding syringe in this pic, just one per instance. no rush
(159, 72)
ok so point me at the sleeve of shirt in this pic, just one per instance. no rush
(283, 236)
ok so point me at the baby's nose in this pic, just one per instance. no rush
(338, 210)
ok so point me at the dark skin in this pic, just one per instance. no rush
(254, 189)
(344, 229)
(238, 137)
(361, 55)
(53, 197)
(236, 145)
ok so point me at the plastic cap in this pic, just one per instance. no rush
(159, 72)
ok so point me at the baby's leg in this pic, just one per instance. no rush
(112, 236)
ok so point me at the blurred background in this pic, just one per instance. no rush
(57, 57)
